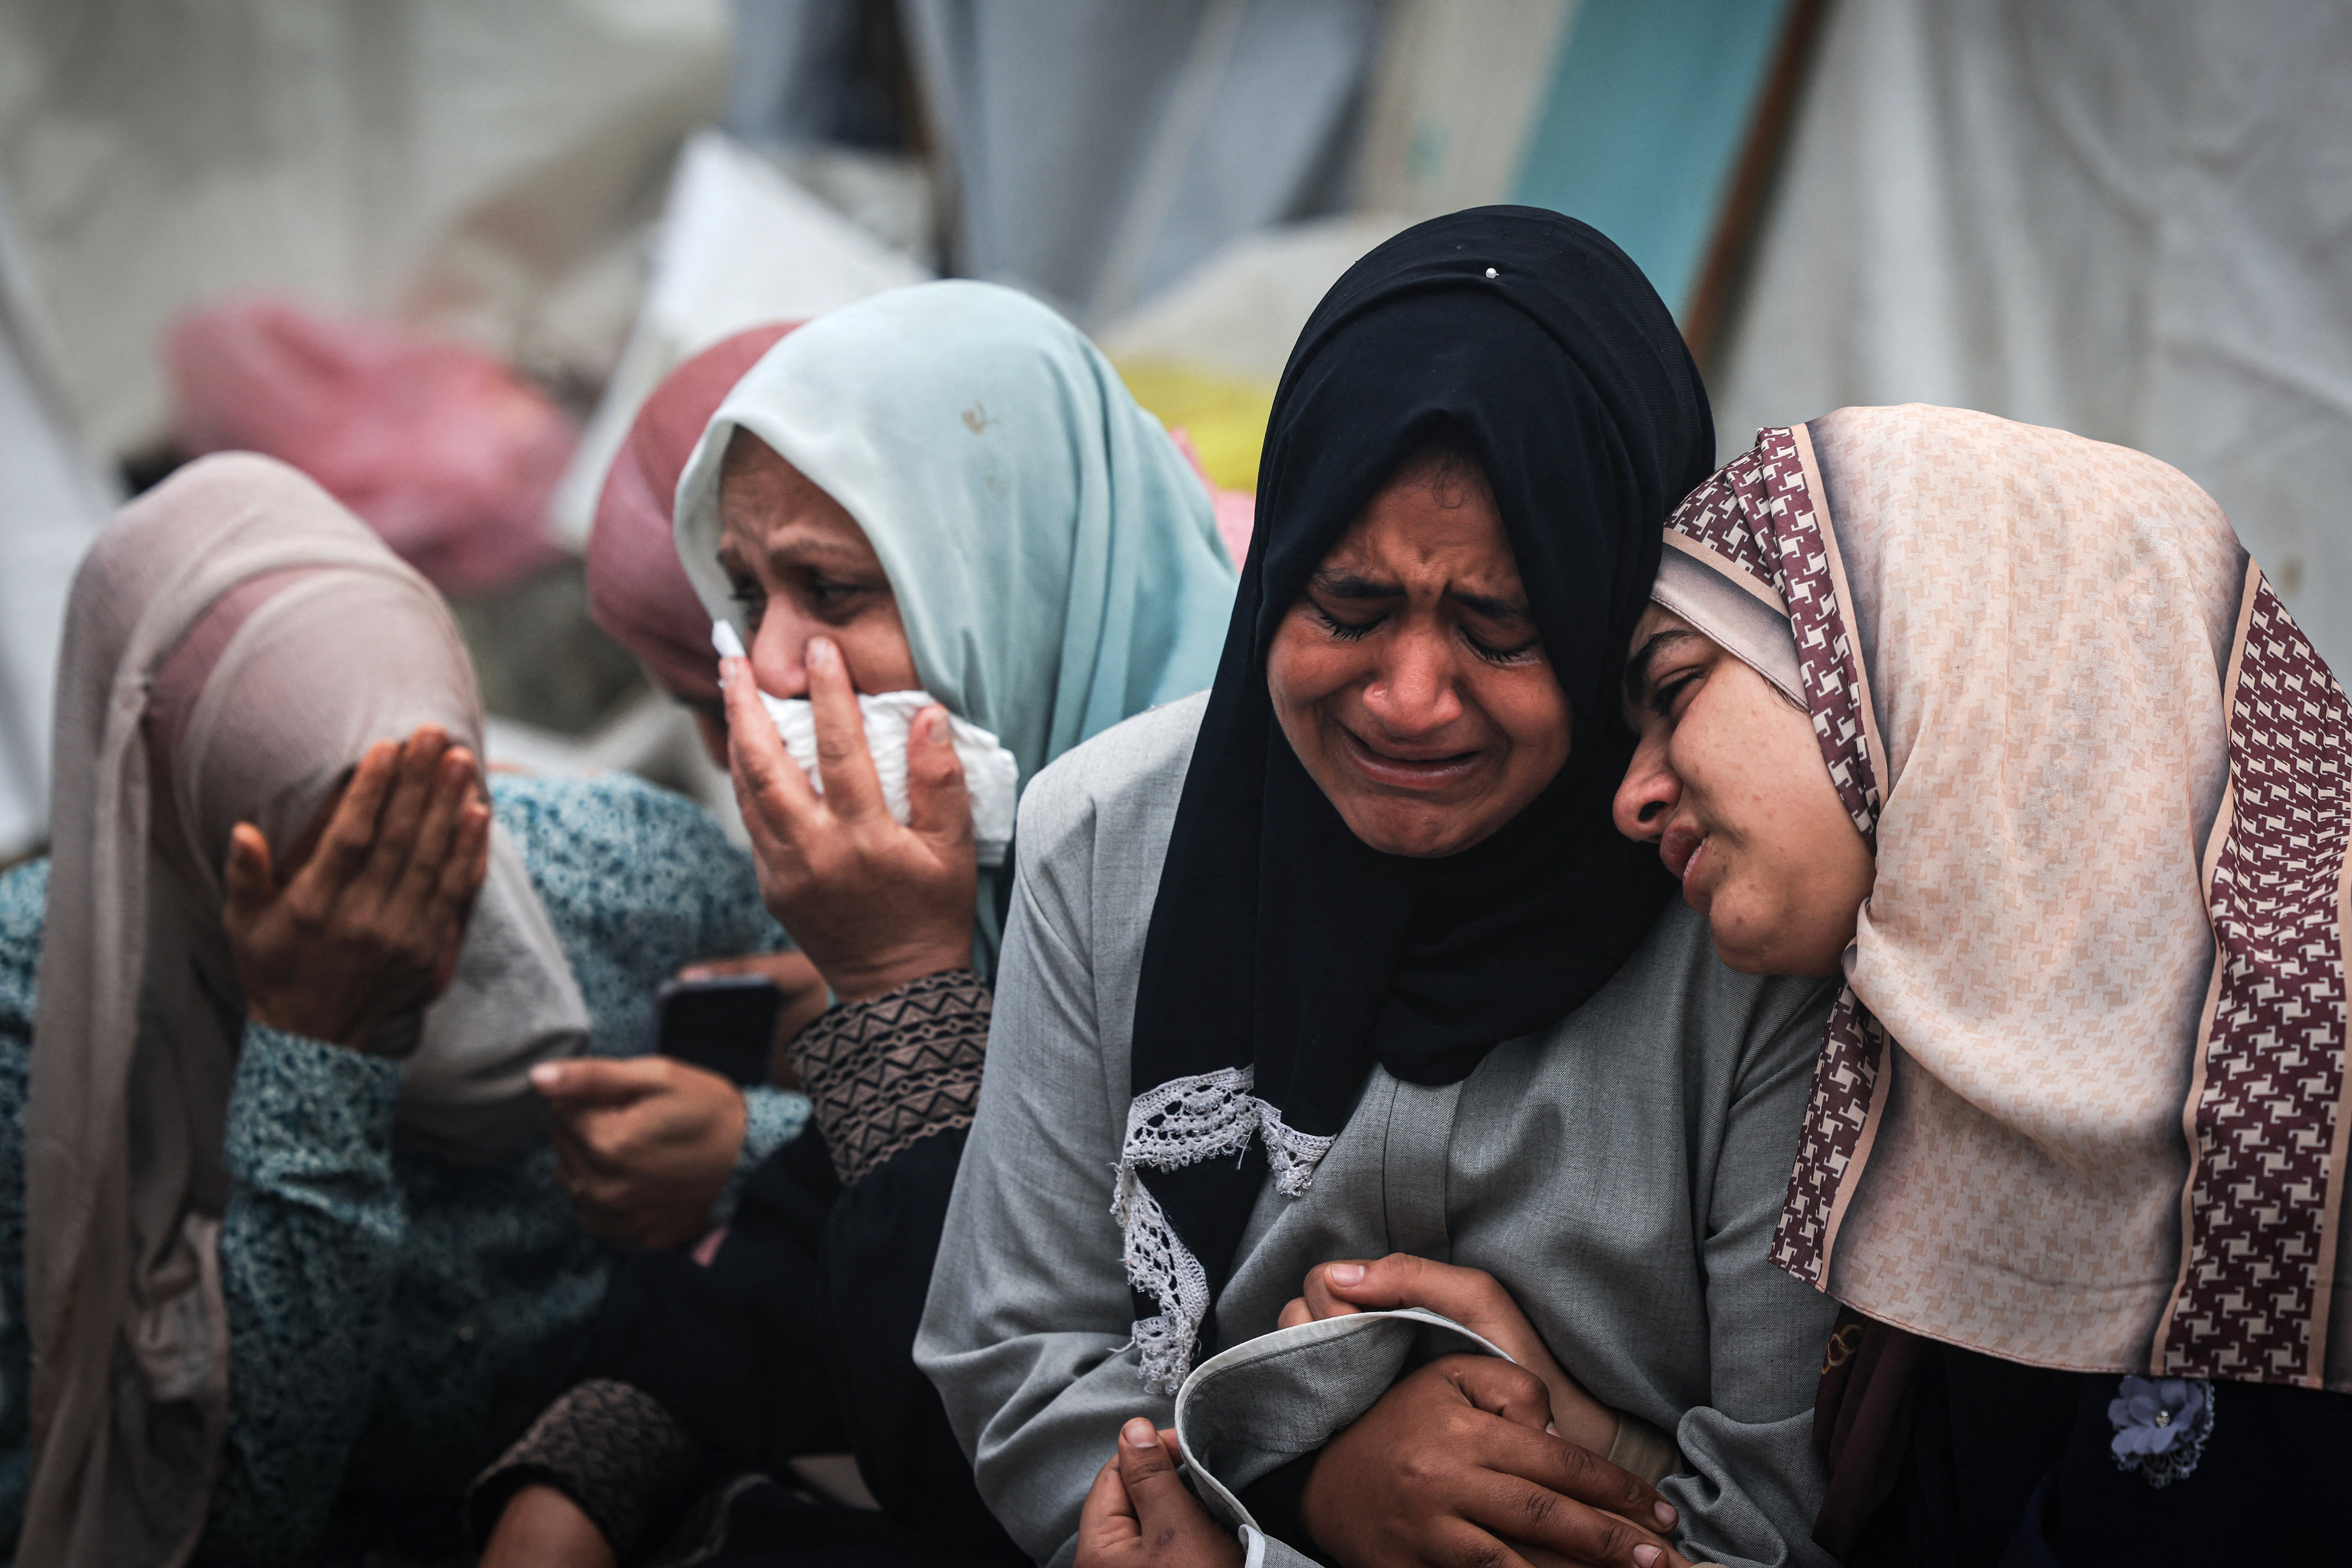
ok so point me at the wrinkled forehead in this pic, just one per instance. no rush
(1433, 521)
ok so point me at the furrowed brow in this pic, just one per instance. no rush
(789, 553)
(1348, 586)
(1492, 607)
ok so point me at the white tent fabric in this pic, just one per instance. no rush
(2128, 218)
(740, 245)
(1453, 101)
(1098, 152)
(459, 163)
(1238, 312)
(52, 504)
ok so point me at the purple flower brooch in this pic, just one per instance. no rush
(2161, 1425)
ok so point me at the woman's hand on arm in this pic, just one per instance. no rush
(369, 925)
(874, 904)
(1453, 1465)
(1472, 1297)
(1140, 1513)
(642, 1146)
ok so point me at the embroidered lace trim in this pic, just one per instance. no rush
(1183, 1123)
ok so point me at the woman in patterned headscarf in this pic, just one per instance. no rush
(2005, 725)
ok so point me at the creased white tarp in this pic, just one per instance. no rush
(459, 163)
(2128, 218)
(1454, 101)
(739, 246)
(52, 503)
(1100, 151)
(1239, 312)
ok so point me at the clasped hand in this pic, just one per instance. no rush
(332, 942)
(874, 902)
(1466, 1460)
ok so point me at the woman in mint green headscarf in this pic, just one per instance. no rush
(953, 548)
(1051, 555)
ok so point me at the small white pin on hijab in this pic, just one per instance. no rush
(1490, 272)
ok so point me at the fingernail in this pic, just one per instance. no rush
(1346, 1274)
(546, 1075)
(939, 736)
(1645, 1555)
(1666, 1515)
(821, 652)
(696, 972)
(1139, 1433)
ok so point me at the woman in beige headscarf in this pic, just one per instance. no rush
(294, 1255)
(2005, 725)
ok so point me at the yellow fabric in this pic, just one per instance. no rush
(1224, 415)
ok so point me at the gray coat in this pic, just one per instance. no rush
(1620, 1174)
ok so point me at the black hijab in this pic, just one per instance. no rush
(1284, 955)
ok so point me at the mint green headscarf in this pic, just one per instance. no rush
(1051, 552)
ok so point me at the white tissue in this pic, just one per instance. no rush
(991, 776)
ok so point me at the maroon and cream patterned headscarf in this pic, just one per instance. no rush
(2081, 1101)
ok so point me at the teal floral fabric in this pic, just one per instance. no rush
(396, 1320)
(23, 896)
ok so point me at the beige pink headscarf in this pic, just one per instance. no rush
(2081, 1103)
(233, 643)
(638, 590)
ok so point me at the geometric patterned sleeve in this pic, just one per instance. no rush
(884, 1073)
(610, 1447)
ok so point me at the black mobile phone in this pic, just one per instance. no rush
(726, 1024)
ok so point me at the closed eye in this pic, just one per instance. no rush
(1343, 631)
(826, 592)
(750, 598)
(1644, 681)
(1664, 695)
(1501, 655)
(1518, 652)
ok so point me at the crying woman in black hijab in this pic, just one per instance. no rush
(1402, 990)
